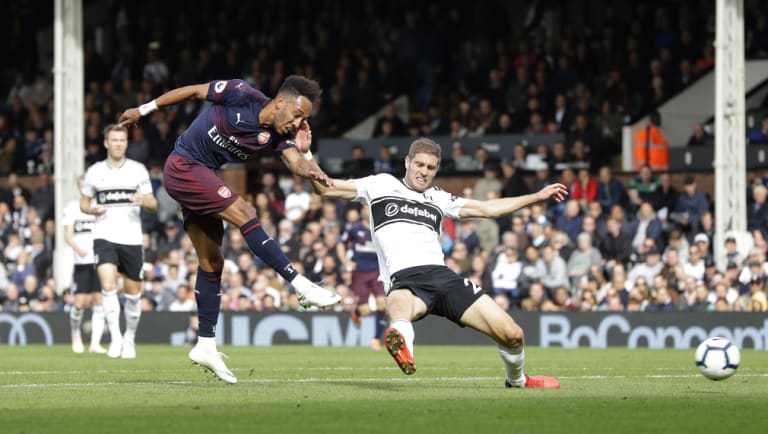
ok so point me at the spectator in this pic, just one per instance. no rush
(139, 148)
(562, 114)
(648, 269)
(391, 117)
(759, 135)
(514, 182)
(488, 183)
(646, 184)
(561, 159)
(610, 191)
(694, 267)
(616, 246)
(662, 302)
(585, 188)
(651, 147)
(553, 269)
(757, 212)
(609, 123)
(384, 163)
(297, 201)
(691, 204)
(360, 164)
(647, 225)
(183, 302)
(570, 221)
(700, 137)
(506, 271)
(582, 258)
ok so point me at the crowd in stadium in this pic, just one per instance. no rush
(640, 245)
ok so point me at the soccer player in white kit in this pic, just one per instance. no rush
(406, 216)
(78, 234)
(114, 191)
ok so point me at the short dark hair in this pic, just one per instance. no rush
(297, 85)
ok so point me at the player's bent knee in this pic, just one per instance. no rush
(212, 265)
(239, 213)
(512, 336)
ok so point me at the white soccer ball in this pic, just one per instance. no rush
(717, 358)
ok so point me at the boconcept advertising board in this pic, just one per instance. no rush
(569, 330)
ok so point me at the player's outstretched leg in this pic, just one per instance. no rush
(269, 251)
(485, 316)
(310, 294)
(398, 345)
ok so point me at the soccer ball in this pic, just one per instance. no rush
(717, 358)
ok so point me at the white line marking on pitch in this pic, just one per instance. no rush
(344, 380)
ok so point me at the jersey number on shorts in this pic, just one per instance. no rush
(475, 287)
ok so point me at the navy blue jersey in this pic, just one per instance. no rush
(229, 130)
(358, 239)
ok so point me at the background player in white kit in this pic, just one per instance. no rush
(406, 217)
(114, 191)
(86, 287)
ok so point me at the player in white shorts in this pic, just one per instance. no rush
(86, 287)
(114, 191)
(406, 216)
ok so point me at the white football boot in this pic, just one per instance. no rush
(77, 344)
(317, 296)
(211, 360)
(115, 347)
(129, 349)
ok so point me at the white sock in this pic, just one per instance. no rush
(97, 325)
(406, 329)
(112, 312)
(132, 313)
(301, 283)
(208, 344)
(514, 362)
(75, 319)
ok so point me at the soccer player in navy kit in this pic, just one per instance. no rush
(359, 256)
(241, 123)
(406, 217)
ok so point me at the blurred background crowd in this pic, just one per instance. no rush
(630, 243)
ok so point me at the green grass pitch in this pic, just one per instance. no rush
(298, 389)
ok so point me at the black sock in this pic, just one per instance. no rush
(208, 298)
(267, 249)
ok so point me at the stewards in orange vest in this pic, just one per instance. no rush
(651, 147)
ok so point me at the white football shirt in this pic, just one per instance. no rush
(112, 188)
(406, 224)
(82, 224)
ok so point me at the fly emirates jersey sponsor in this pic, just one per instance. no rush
(406, 224)
(112, 188)
(82, 224)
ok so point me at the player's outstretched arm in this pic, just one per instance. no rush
(305, 168)
(506, 205)
(175, 96)
(341, 189)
